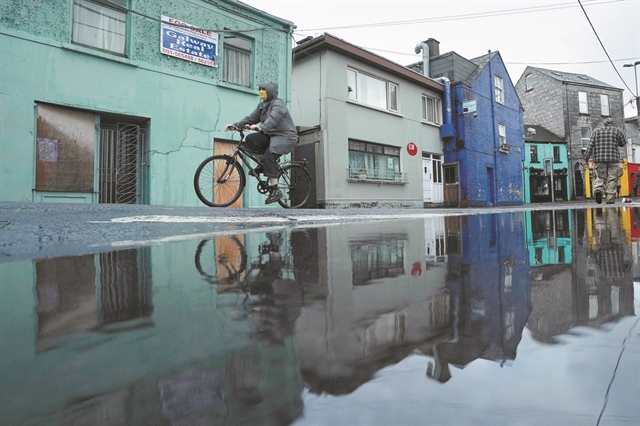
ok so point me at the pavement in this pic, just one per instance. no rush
(36, 230)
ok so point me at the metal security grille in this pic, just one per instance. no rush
(123, 164)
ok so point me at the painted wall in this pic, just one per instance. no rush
(561, 169)
(187, 104)
(488, 176)
(320, 85)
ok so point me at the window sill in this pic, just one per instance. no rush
(378, 181)
(386, 111)
(238, 87)
(429, 123)
(99, 53)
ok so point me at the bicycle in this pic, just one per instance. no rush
(220, 179)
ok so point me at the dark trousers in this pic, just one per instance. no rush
(258, 143)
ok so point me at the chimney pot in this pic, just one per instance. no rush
(434, 47)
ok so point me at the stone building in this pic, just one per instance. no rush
(570, 106)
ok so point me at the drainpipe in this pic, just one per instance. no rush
(425, 57)
(492, 95)
(446, 130)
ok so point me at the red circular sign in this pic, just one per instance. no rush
(412, 149)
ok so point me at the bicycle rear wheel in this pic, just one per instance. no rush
(295, 183)
(219, 181)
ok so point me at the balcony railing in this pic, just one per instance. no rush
(376, 176)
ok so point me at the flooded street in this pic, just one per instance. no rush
(516, 318)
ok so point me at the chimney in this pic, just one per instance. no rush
(434, 47)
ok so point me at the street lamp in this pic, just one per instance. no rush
(635, 72)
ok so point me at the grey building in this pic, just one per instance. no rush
(571, 106)
(633, 139)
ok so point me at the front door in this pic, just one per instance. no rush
(432, 190)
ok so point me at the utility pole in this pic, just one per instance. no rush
(635, 72)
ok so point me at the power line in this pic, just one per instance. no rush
(466, 16)
(605, 50)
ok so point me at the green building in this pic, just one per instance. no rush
(118, 101)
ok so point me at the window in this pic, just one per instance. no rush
(373, 161)
(583, 103)
(101, 24)
(529, 81)
(585, 137)
(236, 57)
(431, 110)
(604, 104)
(533, 150)
(499, 89)
(372, 91)
(502, 134)
(556, 154)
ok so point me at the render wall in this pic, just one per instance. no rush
(186, 104)
(341, 120)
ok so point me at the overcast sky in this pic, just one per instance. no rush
(547, 34)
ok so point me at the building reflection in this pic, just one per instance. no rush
(596, 286)
(488, 284)
(81, 293)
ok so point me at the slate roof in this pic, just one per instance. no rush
(573, 78)
(535, 133)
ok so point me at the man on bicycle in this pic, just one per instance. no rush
(276, 135)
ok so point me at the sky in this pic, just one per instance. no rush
(554, 35)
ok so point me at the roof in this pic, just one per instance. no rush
(569, 77)
(330, 42)
(535, 133)
(481, 62)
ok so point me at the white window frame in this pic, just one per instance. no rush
(583, 102)
(529, 81)
(372, 161)
(237, 60)
(356, 88)
(101, 25)
(585, 137)
(498, 84)
(604, 105)
(431, 110)
(502, 134)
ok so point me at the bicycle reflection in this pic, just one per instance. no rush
(271, 292)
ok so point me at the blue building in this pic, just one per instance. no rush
(484, 148)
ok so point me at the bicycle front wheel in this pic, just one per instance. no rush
(295, 183)
(219, 181)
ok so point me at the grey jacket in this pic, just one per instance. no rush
(275, 120)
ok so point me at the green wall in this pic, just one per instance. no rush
(187, 105)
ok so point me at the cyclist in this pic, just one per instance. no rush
(276, 135)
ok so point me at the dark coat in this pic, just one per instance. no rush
(275, 121)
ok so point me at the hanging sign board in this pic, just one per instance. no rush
(184, 41)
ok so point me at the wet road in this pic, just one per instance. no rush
(521, 317)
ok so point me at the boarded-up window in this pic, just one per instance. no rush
(65, 149)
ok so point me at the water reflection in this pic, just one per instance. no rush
(235, 329)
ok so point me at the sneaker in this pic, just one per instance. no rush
(275, 195)
(611, 202)
(256, 172)
(598, 197)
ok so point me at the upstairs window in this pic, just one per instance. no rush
(502, 134)
(372, 91)
(499, 89)
(236, 60)
(604, 104)
(585, 137)
(101, 24)
(556, 154)
(583, 103)
(431, 110)
(533, 150)
(529, 81)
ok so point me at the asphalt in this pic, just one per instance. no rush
(36, 230)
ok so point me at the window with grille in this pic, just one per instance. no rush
(373, 161)
(372, 91)
(101, 24)
(236, 60)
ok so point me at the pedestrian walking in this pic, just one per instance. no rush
(603, 150)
